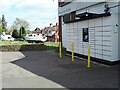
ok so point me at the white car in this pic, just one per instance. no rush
(6, 37)
(35, 38)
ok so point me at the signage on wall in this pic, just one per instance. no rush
(85, 35)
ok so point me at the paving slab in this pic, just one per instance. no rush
(14, 76)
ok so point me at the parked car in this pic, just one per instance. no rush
(20, 39)
(6, 37)
(35, 38)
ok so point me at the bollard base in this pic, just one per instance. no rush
(88, 66)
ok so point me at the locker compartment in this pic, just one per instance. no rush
(71, 39)
(107, 57)
(99, 51)
(106, 48)
(98, 30)
(76, 51)
(92, 50)
(98, 56)
(98, 37)
(92, 42)
(92, 54)
(79, 36)
(67, 25)
(75, 37)
(79, 26)
(75, 34)
(75, 31)
(106, 33)
(80, 40)
(91, 36)
(84, 24)
(98, 42)
(107, 43)
(106, 53)
(71, 25)
(85, 51)
(92, 28)
(80, 49)
(70, 31)
(69, 46)
(76, 41)
(107, 38)
(85, 45)
(76, 46)
(75, 25)
(92, 46)
(107, 28)
(106, 21)
(98, 47)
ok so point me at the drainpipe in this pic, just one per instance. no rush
(60, 29)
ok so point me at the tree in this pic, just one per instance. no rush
(0, 26)
(4, 23)
(0, 21)
(22, 32)
(18, 23)
(1, 29)
(15, 34)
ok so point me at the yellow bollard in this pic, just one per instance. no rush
(88, 57)
(72, 52)
(60, 50)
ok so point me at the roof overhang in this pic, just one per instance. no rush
(88, 15)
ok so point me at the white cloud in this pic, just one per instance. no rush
(38, 13)
(37, 4)
(4, 6)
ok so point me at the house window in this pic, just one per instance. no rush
(85, 35)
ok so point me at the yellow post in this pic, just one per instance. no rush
(60, 50)
(72, 52)
(88, 57)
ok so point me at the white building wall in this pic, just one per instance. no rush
(119, 32)
(103, 35)
(115, 33)
(64, 35)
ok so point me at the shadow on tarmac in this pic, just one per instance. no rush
(70, 75)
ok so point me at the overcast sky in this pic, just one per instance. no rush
(39, 13)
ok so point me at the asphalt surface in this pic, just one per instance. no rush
(63, 72)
